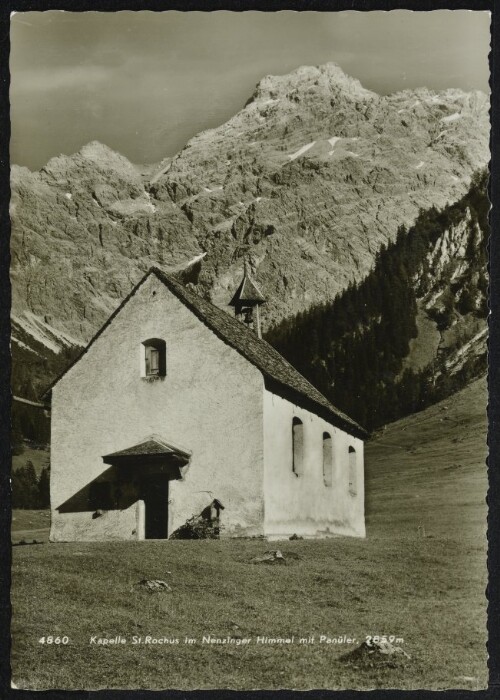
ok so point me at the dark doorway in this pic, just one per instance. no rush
(155, 495)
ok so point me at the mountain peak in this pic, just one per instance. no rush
(93, 154)
(95, 149)
(104, 156)
(328, 77)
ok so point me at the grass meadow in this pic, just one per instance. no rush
(420, 575)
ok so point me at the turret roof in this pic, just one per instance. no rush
(247, 292)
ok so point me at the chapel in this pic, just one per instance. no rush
(178, 409)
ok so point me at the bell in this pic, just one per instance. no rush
(248, 315)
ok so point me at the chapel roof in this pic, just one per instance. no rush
(280, 376)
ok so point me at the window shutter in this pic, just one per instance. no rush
(155, 356)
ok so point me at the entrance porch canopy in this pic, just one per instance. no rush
(151, 457)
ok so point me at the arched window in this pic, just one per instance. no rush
(154, 358)
(298, 446)
(327, 459)
(353, 476)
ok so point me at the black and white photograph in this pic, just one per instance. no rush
(249, 346)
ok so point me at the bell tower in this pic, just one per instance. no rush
(246, 302)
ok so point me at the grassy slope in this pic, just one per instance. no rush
(423, 348)
(428, 590)
(429, 470)
(29, 525)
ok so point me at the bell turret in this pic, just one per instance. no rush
(246, 302)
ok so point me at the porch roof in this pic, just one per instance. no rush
(147, 450)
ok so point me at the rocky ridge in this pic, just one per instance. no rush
(307, 181)
(452, 301)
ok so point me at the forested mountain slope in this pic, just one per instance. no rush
(414, 330)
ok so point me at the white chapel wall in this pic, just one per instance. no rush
(210, 403)
(303, 504)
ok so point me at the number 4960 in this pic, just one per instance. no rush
(53, 640)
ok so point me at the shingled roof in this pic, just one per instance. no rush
(279, 375)
(247, 292)
(149, 448)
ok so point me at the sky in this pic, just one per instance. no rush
(143, 83)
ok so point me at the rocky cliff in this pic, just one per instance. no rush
(452, 293)
(308, 180)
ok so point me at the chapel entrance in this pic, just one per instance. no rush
(149, 466)
(155, 496)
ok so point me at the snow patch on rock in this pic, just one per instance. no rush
(194, 260)
(332, 143)
(301, 150)
(159, 174)
(44, 333)
(149, 203)
(23, 345)
(451, 118)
